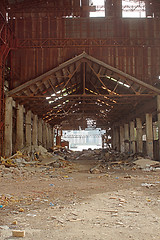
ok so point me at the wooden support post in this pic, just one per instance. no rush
(132, 137)
(126, 137)
(8, 127)
(139, 135)
(28, 128)
(158, 117)
(149, 135)
(19, 130)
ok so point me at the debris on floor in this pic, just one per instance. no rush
(60, 157)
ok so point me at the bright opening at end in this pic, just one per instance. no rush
(133, 9)
(84, 139)
(100, 8)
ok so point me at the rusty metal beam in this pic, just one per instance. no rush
(87, 42)
(78, 96)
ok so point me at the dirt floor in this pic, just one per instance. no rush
(71, 203)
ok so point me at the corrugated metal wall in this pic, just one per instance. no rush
(137, 52)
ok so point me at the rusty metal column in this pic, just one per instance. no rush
(126, 137)
(121, 139)
(8, 127)
(158, 117)
(85, 8)
(1, 106)
(132, 137)
(34, 131)
(149, 135)
(139, 135)
(19, 130)
(28, 128)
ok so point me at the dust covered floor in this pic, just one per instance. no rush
(71, 203)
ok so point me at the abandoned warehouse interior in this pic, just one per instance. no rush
(66, 63)
(60, 67)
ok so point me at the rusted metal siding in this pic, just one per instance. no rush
(132, 46)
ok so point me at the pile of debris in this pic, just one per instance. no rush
(32, 157)
(111, 159)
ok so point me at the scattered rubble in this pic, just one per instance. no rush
(58, 157)
(110, 159)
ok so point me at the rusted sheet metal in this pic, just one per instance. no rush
(36, 27)
(131, 45)
(143, 63)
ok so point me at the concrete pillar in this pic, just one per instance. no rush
(117, 139)
(121, 139)
(19, 129)
(154, 132)
(53, 136)
(126, 138)
(44, 136)
(158, 118)
(113, 138)
(40, 131)
(47, 135)
(132, 137)
(35, 130)
(8, 127)
(149, 135)
(139, 135)
(28, 129)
